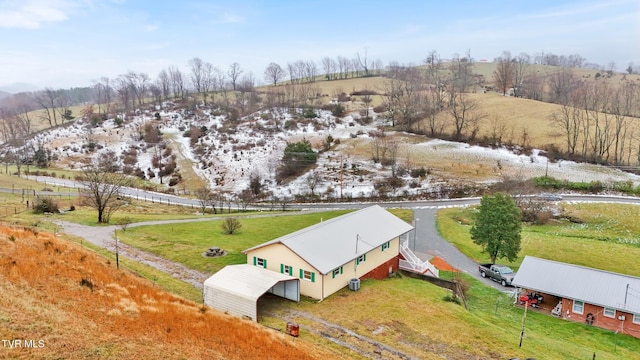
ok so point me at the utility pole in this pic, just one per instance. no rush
(524, 318)
(115, 234)
(340, 176)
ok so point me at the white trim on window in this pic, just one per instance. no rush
(578, 307)
(636, 319)
(609, 312)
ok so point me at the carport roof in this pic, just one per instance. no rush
(593, 286)
(246, 281)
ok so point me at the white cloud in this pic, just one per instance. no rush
(231, 19)
(151, 28)
(32, 14)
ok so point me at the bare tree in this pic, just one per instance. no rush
(567, 120)
(196, 65)
(465, 114)
(204, 196)
(562, 83)
(47, 101)
(103, 91)
(101, 189)
(503, 74)
(274, 73)
(313, 180)
(138, 83)
(125, 93)
(520, 72)
(164, 83)
(177, 82)
(234, 73)
(219, 80)
(329, 66)
(364, 64)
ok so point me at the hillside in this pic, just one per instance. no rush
(211, 147)
(62, 301)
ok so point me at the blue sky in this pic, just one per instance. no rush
(64, 43)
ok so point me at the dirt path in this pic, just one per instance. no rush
(103, 236)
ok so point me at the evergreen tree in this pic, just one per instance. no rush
(497, 227)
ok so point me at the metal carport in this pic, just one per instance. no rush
(236, 289)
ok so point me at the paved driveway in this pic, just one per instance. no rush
(428, 243)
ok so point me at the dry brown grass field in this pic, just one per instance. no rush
(74, 304)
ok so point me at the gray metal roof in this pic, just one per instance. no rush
(335, 242)
(597, 287)
(246, 281)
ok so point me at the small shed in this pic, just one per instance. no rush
(236, 289)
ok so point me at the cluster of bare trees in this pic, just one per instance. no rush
(437, 93)
(343, 67)
(597, 120)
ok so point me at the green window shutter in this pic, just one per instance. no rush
(340, 269)
(333, 274)
(264, 263)
(301, 274)
(290, 270)
(364, 257)
(254, 260)
(313, 277)
(282, 268)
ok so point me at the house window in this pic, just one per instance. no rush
(307, 275)
(578, 306)
(609, 312)
(337, 272)
(361, 258)
(385, 246)
(286, 269)
(636, 318)
(260, 262)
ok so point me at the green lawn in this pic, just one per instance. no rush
(185, 243)
(605, 233)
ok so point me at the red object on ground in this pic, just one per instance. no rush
(440, 264)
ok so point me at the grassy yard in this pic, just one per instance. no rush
(602, 234)
(185, 243)
(412, 316)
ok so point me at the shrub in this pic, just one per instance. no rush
(44, 205)
(309, 113)
(338, 110)
(231, 225)
(421, 172)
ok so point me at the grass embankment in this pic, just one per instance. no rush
(74, 304)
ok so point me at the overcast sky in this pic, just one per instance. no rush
(65, 43)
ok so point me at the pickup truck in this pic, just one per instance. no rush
(500, 273)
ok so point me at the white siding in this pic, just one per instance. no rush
(230, 303)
